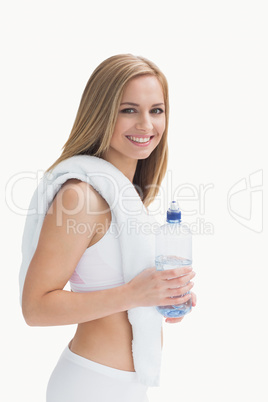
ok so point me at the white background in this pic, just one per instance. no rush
(214, 55)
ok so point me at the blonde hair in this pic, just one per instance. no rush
(97, 114)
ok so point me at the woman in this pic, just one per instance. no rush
(122, 119)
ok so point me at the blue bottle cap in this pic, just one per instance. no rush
(173, 213)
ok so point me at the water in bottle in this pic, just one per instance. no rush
(174, 250)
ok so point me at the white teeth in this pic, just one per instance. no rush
(139, 139)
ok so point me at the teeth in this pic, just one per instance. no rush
(139, 139)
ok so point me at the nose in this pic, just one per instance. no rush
(144, 123)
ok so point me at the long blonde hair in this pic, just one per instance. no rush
(97, 114)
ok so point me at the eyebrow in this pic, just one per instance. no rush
(135, 104)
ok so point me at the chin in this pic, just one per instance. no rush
(142, 155)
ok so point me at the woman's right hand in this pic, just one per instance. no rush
(155, 288)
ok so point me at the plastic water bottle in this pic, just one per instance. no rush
(174, 250)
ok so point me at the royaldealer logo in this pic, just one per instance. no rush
(245, 201)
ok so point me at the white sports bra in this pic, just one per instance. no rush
(100, 267)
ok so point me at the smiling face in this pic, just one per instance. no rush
(140, 123)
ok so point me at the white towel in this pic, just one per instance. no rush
(136, 239)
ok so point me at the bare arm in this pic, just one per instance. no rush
(44, 301)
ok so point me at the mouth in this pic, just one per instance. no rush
(140, 140)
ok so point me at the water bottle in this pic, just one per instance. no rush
(174, 250)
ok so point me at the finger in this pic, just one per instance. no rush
(176, 300)
(175, 272)
(174, 320)
(181, 281)
(194, 300)
(181, 290)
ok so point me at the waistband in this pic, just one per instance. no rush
(130, 376)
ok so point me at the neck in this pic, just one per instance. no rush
(126, 165)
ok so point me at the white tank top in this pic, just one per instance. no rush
(100, 267)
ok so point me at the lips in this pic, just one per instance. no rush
(140, 140)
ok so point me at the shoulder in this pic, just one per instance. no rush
(76, 195)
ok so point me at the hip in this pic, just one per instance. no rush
(77, 378)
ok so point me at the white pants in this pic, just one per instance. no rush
(77, 379)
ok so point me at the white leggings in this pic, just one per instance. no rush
(77, 379)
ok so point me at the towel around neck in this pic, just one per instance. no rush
(137, 241)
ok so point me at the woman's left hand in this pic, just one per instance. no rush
(175, 320)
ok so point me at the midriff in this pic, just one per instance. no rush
(107, 341)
